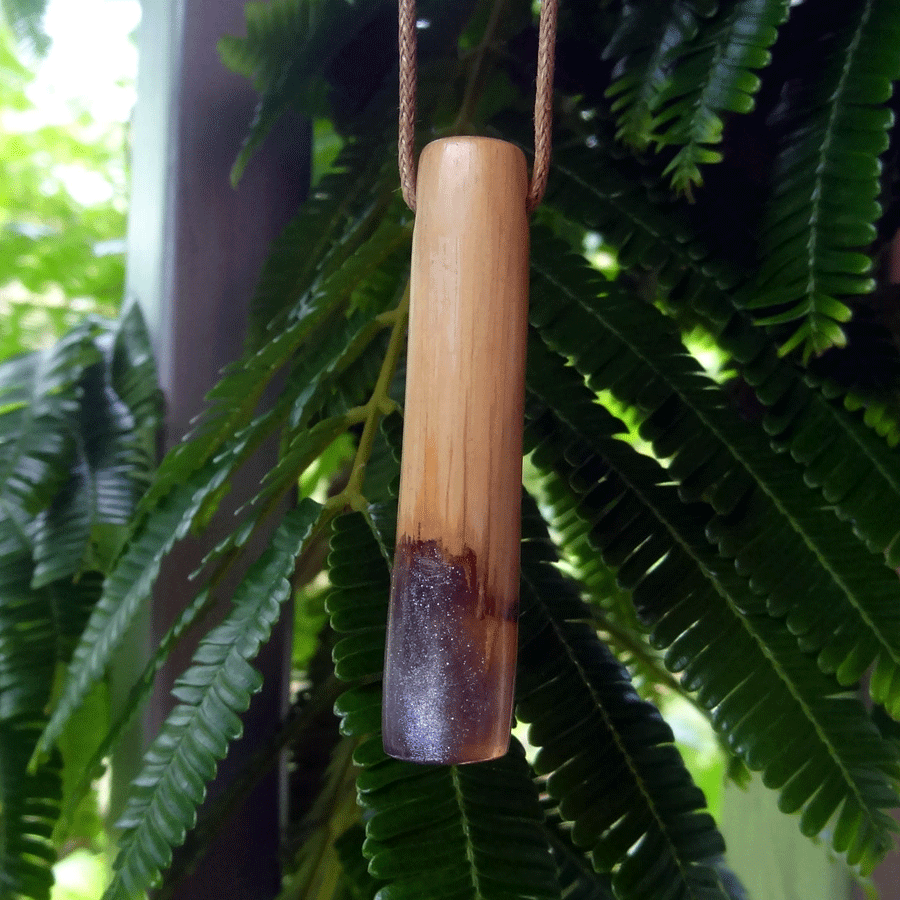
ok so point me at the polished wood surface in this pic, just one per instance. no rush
(450, 662)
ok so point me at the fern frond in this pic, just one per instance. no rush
(272, 30)
(613, 614)
(335, 222)
(793, 550)
(27, 635)
(104, 481)
(62, 531)
(29, 802)
(134, 379)
(38, 401)
(287, 51)
(231, 406)
(211, 458)
(629, 204)
(138, 694)
(330, 826)
(184, 756)
(577, 878)
(610, 757)
(314, 376)
(826, 181)
(712, 75)
(349, 847)
(466, 832)
(811, 422)
(325, 291)
(634, 218)
(775, 708)
(471, 832)
(71, 602)
(108, 434)
(128, 586)
(644, 45)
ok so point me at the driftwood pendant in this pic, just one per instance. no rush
(451, 647)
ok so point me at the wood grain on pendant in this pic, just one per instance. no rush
(451, 649)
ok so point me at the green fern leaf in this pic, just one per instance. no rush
(881, 415)
(612, 606)
(62, 531)
(272, 30)
(826, 182)
(184, 756)
(714, 75)
(338, 222)
(774, 529)
(71, 602)
(611, 760)
(30, 807)
(634, 218)
(809, 421)
(134, 379)
(329, 863)
(230, 411)
(628, 203)
(108, 433)
(577, 878)
(471, 832)
(127, 587)
(325, 385)
(287, 51)
(349, 847)
(104, 482)
(313, 378)
(27, 636)
(38, 401)
(644, 45)
(137, 696)
(310, 320)
(708, 618)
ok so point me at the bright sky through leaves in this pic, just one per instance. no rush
(64, 138)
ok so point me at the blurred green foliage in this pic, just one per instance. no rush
(62, 212)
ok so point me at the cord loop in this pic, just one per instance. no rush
(543, 103)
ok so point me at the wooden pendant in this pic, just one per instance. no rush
(451, 647)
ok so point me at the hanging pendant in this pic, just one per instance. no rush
(451, 646)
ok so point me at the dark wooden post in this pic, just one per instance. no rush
(196, 247)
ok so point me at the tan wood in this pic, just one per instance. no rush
(450, 663)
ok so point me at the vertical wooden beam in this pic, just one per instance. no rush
(196, 248)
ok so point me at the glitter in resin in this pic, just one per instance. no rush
(450, 661)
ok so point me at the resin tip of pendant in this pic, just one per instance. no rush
(445, 756)
(450, 660)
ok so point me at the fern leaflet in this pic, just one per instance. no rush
(706, 616)
(645, 43)
(826, 182)
(467, 832)
(610, 757)
(184, 756)
(714, 75)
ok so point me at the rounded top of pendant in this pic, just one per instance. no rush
(464, 147)
(454, 165)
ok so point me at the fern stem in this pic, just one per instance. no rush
(463, 121)
(379, 404)
(628, 644)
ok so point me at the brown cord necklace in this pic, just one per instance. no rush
(452, 632)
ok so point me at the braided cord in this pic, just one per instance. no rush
(543, 103)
